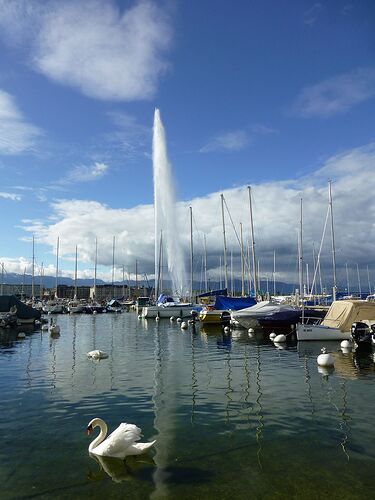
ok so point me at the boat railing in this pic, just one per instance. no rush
(312, 320)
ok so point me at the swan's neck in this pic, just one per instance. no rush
(102, 434)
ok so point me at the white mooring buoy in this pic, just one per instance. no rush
(179, 320)
(226, 329)
(346, 344)
(250, 330)
(272, 335)
(184, 325)
(280, 338)
(325, 359)
(172, 318)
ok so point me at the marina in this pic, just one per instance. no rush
(232, 414)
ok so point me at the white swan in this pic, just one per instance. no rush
(121, 443)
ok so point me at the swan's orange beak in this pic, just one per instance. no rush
(89, 430)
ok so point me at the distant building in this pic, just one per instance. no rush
(67, 292)
(107, 292)
(19, 290)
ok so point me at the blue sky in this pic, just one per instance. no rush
(278, 95)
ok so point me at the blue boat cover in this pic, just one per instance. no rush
(233, 303)
(213, 293)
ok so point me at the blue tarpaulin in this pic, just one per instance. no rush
(234, 303)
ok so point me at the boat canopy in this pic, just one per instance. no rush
(7, 302)
(233, 303)
(343, 313)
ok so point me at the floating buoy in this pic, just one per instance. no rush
(250, 330)
(179, 320)
(139, 316)
(97, 354)
(184, 325)
(345, 344)
(272, 335)
(172, 318)
(54, 329)
(251, 335)
(325, 359)
(157, 318)
(226, 329)
(45, 327)
(279, 338)
(21, 335)
(95, 311)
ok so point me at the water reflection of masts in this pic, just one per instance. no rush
(247, 383)
(229, 389)
(53, 349)
(28, 364)
(308, 384)
(344, 426)
(260, 426)
(74, 348)
(113, 317)
(194, 380)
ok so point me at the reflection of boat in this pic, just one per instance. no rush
(338, 321)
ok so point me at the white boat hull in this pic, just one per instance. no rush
(320, 332)
(167, 312)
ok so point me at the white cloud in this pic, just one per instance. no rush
(105, 52)
(235, 140)
(336, 95)
(83, 173)
(16, 134)
(276, 218)
(311, 15)
(10, 196)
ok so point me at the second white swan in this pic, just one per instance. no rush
(122, 442)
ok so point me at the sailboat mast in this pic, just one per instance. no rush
(253, 244)
(274, 273)
(242, 264)
(113, 267)
(75, 276)
(300, 251)
(41, 282)
(96, 264)
(33, 272)
(333, 243)
(205, 264)
(57, 264)
(191, 254)
(225, 243)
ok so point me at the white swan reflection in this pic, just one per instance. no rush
(119, 470)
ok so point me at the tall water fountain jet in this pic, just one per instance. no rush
(165, 212)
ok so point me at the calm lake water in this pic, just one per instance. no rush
(233, 416)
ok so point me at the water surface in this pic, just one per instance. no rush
(233, 416)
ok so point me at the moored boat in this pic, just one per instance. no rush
(339, 320)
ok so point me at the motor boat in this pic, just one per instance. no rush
(338, 321)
